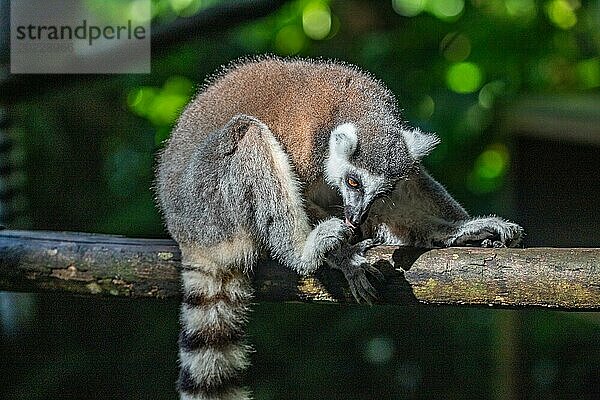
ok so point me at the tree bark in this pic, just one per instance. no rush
(105, 265)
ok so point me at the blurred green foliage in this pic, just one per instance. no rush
(126, 349)
(451, 64)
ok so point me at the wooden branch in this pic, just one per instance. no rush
(91, 264)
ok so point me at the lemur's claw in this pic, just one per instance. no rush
(351, 261)
(375, 273)
(361, 288)
(492, 243)
(487, 232)
(362, 249)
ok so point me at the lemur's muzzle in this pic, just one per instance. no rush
(355, 216)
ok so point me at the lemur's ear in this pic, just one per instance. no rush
(418, 143)
(343, 140)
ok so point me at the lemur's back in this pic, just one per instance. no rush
(299, 100)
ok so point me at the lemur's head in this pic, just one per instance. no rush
(364, 170)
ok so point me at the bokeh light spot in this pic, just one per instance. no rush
(426, 107)
(521, 9)
(492, 163)
(134, 97)
(161, 106)
(185, 8)
(489, 92)
(476, 119)
(139, 99)
(290, 40)
(482, 186)
(489, 169)
(316, 20)
(464, 77)
(409, 8)
(446, 9)
(562, 13)
(588, 72)
(139, 11)
(379, 350)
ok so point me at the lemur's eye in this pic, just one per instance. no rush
(353, 182)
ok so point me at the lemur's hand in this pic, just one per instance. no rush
(489, 231)
(331, 234)
(351, 261)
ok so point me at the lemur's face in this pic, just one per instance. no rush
(357, 186)
(359, 189)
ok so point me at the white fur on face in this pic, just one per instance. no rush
(419, 143)
(342, 143)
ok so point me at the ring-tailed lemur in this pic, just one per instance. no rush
(266, 150)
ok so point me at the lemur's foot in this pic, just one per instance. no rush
(351, 261)
(487, 232)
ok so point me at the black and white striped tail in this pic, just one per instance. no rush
(212, 350)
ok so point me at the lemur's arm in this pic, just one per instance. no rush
(276, 218)
(349, 258)
(420, 212)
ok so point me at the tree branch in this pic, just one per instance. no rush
(104, 265)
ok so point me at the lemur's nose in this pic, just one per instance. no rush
(353, 218)
(349, 223)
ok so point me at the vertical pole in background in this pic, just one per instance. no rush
(5, 212)
(4, 142)
(510, 382)
(13, 201)
(17, 310)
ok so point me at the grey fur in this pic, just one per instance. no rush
(420, 212)
(238, 183)
(233, 184)
(261, 161)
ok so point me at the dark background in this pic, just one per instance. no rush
(511, 87)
